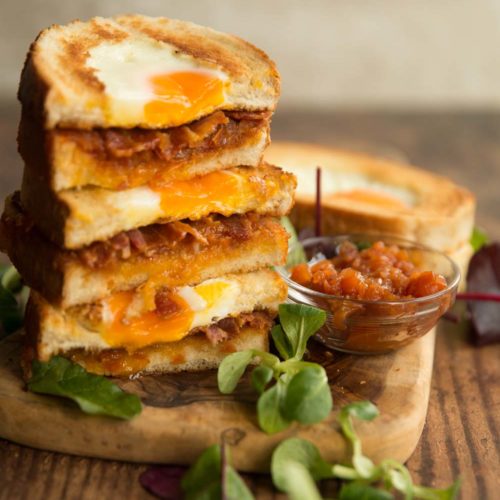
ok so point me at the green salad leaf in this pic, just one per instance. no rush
(11, 317)
(281, 342)
(364, 410)
(231, 370)
(203, 479)
(308, 398)
(212, 477)
(94, 394)
(269, 409)
(296, 254)
(261, 376)
(11, 280)
(299, 322)
(296, 465)
(13, 298)
(358, 490)
(478, 239)
(300, 391)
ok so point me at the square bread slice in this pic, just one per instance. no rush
(123, 159)
(183, 253)
(120, 72)
(130, 322)
(77, 217)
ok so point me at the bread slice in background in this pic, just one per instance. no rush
(183, 254)
(120, 159)
(77, 217)
(428, 208)
(59, 85)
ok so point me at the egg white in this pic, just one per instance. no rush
(337, 181)
(125, 69)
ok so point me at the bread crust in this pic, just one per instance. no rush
(441, 217)
(57, 86)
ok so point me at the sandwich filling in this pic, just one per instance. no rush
(246, 330)
(156, 314)
(123, 158)
(92, 214)
(181, 252)
(151, 81)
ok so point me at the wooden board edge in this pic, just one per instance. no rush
(67, 430)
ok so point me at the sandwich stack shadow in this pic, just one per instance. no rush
(147, 225)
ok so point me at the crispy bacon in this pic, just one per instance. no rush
(215, 334)
(159, 238)
(123, 143)
(175, 143)
(249, 115)
(183, 229)
(164, 303)
(231, 326)
(137, 239)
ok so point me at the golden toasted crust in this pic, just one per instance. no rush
(440, 214)
(67, 278)
(57, 85)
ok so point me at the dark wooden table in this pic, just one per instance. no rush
(461, 436)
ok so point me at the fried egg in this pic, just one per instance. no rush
(146, 81)
(338, 185)
(131, 319)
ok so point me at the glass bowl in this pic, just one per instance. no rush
(373, 327)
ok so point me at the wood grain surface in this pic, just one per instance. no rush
(184, 413)
(461, 435)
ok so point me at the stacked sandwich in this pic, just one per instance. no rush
(146, 224)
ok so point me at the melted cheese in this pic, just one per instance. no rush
(127, 324)
(184, 95)
(148, 327)
(98, 213)
(146, 81)
(216, 191)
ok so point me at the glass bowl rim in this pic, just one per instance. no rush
(455, 273)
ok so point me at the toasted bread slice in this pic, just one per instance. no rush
(120, 159)
(131, 321)
(193, 353)
(138, 71)
(362, 194)
(74, 218)
(181, 253)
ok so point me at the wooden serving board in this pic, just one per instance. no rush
(185, 413)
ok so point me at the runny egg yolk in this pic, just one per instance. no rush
(147, 328)
(211, 292)
(371, 197)
(192, 306)
(183, 95)
(207, 192)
